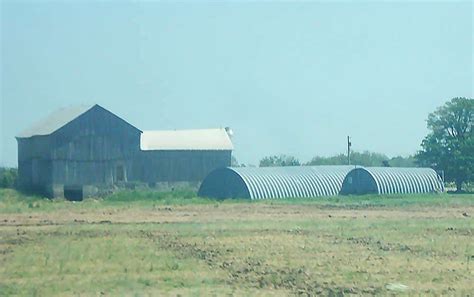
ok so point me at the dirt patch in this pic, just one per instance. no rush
(460, 231)
(379, 244)
(254, 272)
(225, 212)
(10, 240)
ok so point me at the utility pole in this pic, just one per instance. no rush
(349, 144)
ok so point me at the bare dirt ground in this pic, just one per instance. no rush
(231, 212)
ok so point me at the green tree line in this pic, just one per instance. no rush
(365, 158)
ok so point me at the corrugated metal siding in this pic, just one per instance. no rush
(279, 182)
(391, 180)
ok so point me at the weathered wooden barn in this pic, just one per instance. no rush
(78, 151)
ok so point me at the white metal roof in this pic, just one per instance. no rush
(54, 121)
(203, 139)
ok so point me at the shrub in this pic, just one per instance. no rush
(8, 177)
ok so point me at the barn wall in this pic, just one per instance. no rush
(88, 150)
(178, 166)
(96, 135)
(93, 148)
(34, 164)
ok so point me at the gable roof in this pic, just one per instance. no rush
(203, 139)
(54, 121)
(57, 120)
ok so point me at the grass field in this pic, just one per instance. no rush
(149, 244)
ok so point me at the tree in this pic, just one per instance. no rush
(400, 161)
(281, 160)
(450, 144)
(365, 158)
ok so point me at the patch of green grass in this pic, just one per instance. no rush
(378, 201)
(15, 201)
(167, 198)
(12, 201)
(127, 196)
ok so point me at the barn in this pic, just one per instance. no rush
(390, 180)
(170, 158)
(77, 151)
(274, 182)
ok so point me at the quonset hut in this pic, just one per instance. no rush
(391, 180)
(274, 182)
(77, 151)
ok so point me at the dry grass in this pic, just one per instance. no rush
(240, 249)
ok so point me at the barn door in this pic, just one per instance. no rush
(120, 173)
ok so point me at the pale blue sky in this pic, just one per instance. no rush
(288, 77)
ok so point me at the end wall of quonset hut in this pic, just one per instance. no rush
(224, 183)
(359, 181)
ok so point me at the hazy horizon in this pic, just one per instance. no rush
(289, 78)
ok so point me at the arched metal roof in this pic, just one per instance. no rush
(274, 182)
(391, 180)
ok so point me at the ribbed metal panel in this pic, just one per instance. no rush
(275, 182)
(391, 180)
